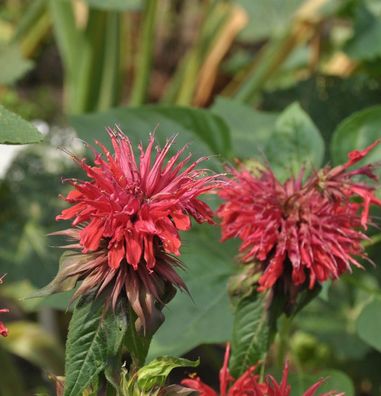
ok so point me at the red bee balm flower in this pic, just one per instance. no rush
(3, 329)
(127, 220)
(249, 384)
(310, 229)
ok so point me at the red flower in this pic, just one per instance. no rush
(249, 384)
(127, 220)
(3, 329)
(310, 229)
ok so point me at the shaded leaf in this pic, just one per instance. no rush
(368, 324)
(295, 143)
(206, 316)
(95, 335)
(355, 133)
(115, 5)
(15, 130)
(212, 133)
(250, 129)
(156, 372)
(12, 65)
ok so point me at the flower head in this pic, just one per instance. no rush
(126, 220)
(3, 329)
(309, 229)
(249, 384)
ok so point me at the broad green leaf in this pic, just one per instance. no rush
(357, 132)
(295, 143)
(267, 17)
(206, 133)
(369, 324)
(334, 380)
(364, 45)
(251, 333)
(206, 316)
(156, 372)
(94, 337)
(15, 130)
(34, 344)
(12, 65)
(250, 129)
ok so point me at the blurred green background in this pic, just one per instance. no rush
(290, 82)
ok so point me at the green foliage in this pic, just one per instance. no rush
(357, 132)
(295, 143)
(251, 333)
(368, 324)
(95, 336)
(15, 130)
(250, 129)
(211, 133)
(12, 65)
(206, 316)
(156, 372)
(333, 380)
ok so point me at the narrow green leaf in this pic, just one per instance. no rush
(251, 333)
(115, 5)
(156, 372)
(15, 130)
(295, 143)
(368, 324)
(94, 337)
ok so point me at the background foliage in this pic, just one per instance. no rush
(291, 83)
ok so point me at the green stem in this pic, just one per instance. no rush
(145, 54)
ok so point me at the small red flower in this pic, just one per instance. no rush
(249, 384)
(310, 229)
(127, 218)
(3, 329)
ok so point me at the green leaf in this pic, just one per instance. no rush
(295, 143)
(12, 383)
(211, 132)
(368, 324)
(156, 372)
(34, 344)
(251, 333)
(355, 133)
(366, 36)
(267, 17)
(95, 336)
(335, 380)
(206, 316)
(250, 129)
(15, 130)
(12, 65)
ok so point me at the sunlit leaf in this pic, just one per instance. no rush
(15, 130)
(12, 65)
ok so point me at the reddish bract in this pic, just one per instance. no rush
(248, 384)
(127, 218)
(310, 228)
